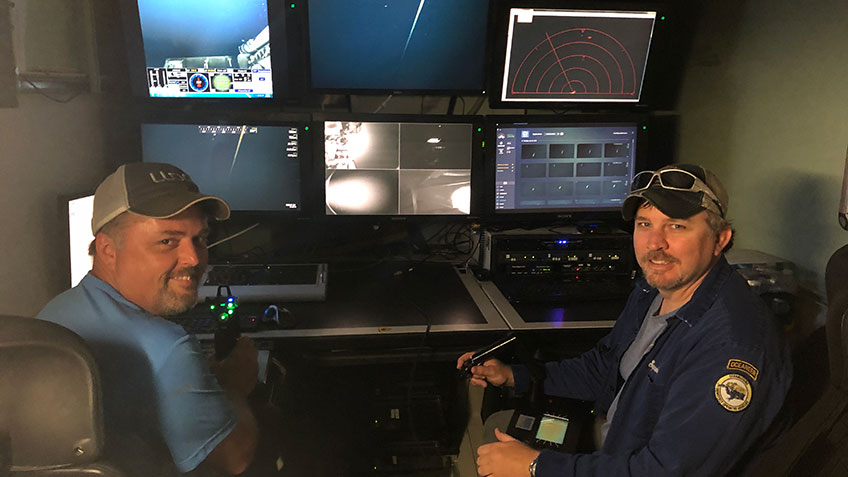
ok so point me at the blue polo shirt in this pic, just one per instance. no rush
(156, 382)
(712, 383)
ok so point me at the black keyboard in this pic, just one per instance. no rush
(252, 274)
(200, 325)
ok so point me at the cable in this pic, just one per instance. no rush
(219, 242)
(383, 105)
(51, 98)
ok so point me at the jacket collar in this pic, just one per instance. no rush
(704, 296)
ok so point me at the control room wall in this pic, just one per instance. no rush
(48, 149)
(763, 105)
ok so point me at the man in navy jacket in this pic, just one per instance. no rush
(694, 370)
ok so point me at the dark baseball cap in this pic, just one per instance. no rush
(153, 190)
(677, 194)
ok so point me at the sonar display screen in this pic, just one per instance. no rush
(576, 56)
(206, 48)
(375, 168)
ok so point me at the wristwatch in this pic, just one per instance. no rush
(533, 466)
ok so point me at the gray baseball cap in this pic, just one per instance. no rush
(678, 190)
(153, 190)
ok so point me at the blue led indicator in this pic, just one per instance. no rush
(230, 299)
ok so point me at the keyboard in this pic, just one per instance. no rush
(267, 282)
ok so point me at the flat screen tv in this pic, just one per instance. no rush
(253, 165)
(211, 49)
(587, 56)
(402, 167)
(413, 46)
(553, 165)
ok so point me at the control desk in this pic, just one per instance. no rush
(369, 379)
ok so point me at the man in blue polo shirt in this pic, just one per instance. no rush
(165, 411)
(695, 368)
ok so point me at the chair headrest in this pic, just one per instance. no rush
(50, 403)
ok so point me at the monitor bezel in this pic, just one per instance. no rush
(663, 70)
(289, 81)
(565, 215)
(477, 177)
(300, 121)
(403, 91)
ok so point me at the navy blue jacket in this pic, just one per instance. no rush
(713, 382)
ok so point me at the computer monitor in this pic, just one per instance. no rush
(398, 46)
(204, 49)
(565, 56)
(588, 56)
(376, 166)
(560, 166)
(79, 211)
(253, 166)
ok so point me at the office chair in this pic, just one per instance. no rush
(817, 443)
(51, 421)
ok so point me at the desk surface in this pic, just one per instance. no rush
(525, 316)
(391, 298)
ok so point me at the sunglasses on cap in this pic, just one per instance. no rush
(675, 179)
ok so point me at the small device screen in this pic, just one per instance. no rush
(398, 45)
(206, 48)
(391, 168)
(79, 231)
(252, 167)
(559, 55)
(552, 429)
(525, 422)
(563, 167)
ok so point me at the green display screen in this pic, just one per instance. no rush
(552, 429)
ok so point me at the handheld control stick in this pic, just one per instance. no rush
(227, 328)
(486, 353)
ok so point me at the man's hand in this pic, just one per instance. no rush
(492, 372)
(505, 458)
(238, 372)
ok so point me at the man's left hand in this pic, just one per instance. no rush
(506, 458)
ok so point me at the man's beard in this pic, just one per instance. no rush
(667, 285)
(169, 302)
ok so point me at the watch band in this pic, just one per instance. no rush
(533, 466)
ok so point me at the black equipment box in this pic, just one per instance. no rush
(559, 265)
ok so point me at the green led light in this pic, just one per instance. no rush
(230, 306)
(644, 128)
(231, 312)
(223, 316)
(479, 129)
(292, 5)
(662, 17)
(211, 307)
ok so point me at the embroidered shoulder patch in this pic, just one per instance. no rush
(733, 392)
(745, 366)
